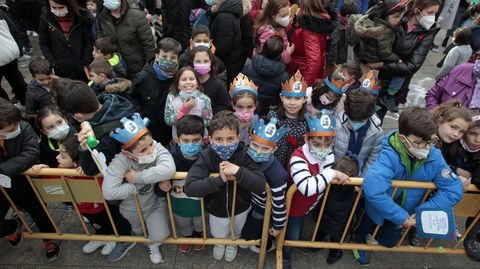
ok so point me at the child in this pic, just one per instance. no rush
(38, 91)
(377, 33)
(359, 130)
(274, 20)
(19, 151)
(186, 98)
(290, 114)
(262, 146)
(310, 170)
(327, 94)
(203, 61)
(92, 8)
(351, 73)
(103, 79)
(143, 162)
(186, 210)
(406, 154)
(462, 37)
(226, 156)
(244, 101)
(105, 49)
(268, 72)
(152, 85)
(453, 121)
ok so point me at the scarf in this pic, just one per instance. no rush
(475, 103)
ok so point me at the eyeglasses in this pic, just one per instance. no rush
(421, 144)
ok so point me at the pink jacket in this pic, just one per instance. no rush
(458, 84)
(267, 31)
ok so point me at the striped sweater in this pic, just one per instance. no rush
(277, 180)
(311, 176)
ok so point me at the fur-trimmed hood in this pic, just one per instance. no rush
(120, 85)
(246, 6)
(367, 28)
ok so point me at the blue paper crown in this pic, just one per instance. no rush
(339, 86)
(322, 124)
(267, 134)
(132, 130)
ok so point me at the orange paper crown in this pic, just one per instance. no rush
(242, 83)
(295, 86)
(339, 86)
(370, 83)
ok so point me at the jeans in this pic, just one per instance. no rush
(387, 235)
(294, 231)
(15, 79)
(395, 85)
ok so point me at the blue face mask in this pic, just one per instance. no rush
(191, 150)
(211, 2)
(224, 152)
(258, 157)
(356, 125)
(184, 95)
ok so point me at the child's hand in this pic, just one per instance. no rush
(465, 182)
(229, 169)
(189, 103)
(463, 173)
(82, 137)
(36, 168)
(411, 221)
(222, 175)
(342, 178)
(165, 186)
(290, 48)
(80, 171)
(131, 176)
(274, 232)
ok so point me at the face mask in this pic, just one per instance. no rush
(111, 4)
(201, 44)
(320, 153)
(416, 152)
(243, 115)
(426, 21)
(13, 134)
(187, 95)
(283, 21)
(202, 69)
(324, 100)
(224, 152)
(60, 12)
(211, 2)
(467, 147)
(191, 150)
(167, 65)
(356, 125)
(59, 133)
(150, 158)
(258, 157)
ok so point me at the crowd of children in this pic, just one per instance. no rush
(274, 119)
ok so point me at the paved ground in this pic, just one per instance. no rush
(31, 253)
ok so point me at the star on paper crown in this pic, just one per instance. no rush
(267, 134)
(242, 83)
(339, 86)
(132, 130)
(322, 124)
(295, 86)
(370, 84)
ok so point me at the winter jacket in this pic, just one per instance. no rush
(118, 64)
(264, 33)
(49, 149)
(337, 47)
(457, 55)
(394, 163)
(457, 157)
(36, 98)
(149, 94)
(67, 56)
(459, 84)
(372, 142)
(310, 40)
(268, 75)
(132, 34)
(9, 50)
(176, 22)
(216, 90)
(114, 107)
(475, 37)
(377, 40)
(119, 86)
(249, 178)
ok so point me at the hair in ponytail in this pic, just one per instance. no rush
(450, 111)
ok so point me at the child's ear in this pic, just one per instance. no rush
(192, 44)
(128, 154)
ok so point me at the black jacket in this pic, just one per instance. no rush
(68, 57)
(48, 155)
(216, 90)
(250, 178)
(37, 97)
(184, 60)
(268, 75)
(337, 47)
(176, 22)
(149, 94)
(120, 86)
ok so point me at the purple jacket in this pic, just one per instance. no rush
(458, 84)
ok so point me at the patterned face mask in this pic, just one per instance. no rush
(224, 151)
(258, 157)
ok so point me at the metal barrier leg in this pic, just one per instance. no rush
(170, 212)
(320, 214)
(266, 224)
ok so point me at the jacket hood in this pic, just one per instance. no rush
(118, 86)
(367, 28)
(149, 68)
(317, 25)
(266, 67)
(246, 7)
(234, 7)
(114, 107)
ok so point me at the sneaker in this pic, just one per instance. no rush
(16, 238)
(414, 239)
(156, 256)
(85, 219)
(107, 249)
(53, 250)
(24, 58)
(198, 247)
(218, 252)
(434, 49)
(334, 256)
(472, 247)
(92, 246)
(389, 102)
(286, 264)
(256, 249)
(230, 253)
(185, 248)
(27, 218)
(374, 241)
(119, 251)
(445, 41)
(244, 246)
(34, 34)
(360, 257)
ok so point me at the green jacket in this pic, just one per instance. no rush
(132, 35)
(377, 40)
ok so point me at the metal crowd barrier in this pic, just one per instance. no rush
(469, 206)
(67, 185)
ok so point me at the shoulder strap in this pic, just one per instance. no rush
(104, 129)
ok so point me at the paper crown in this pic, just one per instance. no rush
(322, 124)
(242, 83)
(132, 130)
(295, 86)
(370, 84)
(339, 86)
(267, 134)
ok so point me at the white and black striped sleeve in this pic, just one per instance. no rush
(279, 210)
(307, 183)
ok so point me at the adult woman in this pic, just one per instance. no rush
(65, 37)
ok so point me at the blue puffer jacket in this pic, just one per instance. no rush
(389, 166)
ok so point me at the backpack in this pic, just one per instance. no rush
(352, 38)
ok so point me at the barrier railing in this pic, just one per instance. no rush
(66, 185)
(469, 206)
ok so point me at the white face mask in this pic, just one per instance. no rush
(416, 152)
(320, 153)
(111, 4)
(150, 158)
(13, 134)
(283, 21)
(59, 132)
(426, 21)
(60, 12)
(201, 44)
